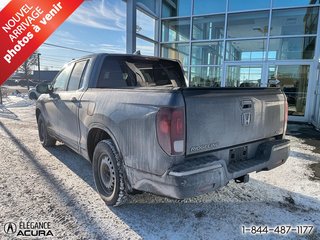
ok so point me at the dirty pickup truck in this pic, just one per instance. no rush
(144, 130)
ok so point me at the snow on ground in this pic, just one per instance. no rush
(56, 185)
(19, 100)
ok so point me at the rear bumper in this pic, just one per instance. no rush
(205, 174)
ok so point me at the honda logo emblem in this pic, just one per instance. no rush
(246, 118)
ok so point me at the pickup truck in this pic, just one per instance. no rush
(144, 130)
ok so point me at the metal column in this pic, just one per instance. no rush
(131, 26)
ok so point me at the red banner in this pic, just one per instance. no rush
(25, 25)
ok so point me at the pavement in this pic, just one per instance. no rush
(55, 185)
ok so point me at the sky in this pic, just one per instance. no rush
(96, 26)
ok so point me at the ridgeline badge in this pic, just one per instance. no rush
(204, 147)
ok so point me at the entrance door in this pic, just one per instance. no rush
(244, 75)
(316, 112)
(294, 81)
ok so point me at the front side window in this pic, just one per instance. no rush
(61, 81)
(77, 76)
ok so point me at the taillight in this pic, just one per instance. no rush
(171, 130)
(286, 109)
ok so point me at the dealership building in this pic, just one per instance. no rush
(232, 43)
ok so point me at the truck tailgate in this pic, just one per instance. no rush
(220, 118)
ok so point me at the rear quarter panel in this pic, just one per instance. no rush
(130, 116)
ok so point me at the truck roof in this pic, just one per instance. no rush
(124, 55)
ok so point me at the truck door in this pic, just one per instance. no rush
(69, 104)
(53, 104)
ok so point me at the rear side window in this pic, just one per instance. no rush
(77, 76)
(61, 81)
(112, 75)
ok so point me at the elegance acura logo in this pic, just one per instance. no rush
(28, 229)
(10, 228)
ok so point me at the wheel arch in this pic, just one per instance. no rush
(38, 112)
(96, 134)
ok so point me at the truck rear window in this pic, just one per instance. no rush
(121, 72)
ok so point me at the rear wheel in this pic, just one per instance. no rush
(45, 138)
(108, 173)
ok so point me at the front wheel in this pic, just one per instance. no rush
(45, 138)
(33, 96)
(108, 173)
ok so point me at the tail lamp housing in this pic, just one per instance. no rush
(171, 130)
(286, 110)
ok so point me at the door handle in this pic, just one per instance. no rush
(74, 100)
(246, 104)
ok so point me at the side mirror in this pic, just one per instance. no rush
(44, 88)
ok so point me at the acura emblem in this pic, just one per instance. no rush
(10, 227)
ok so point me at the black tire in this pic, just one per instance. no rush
(108, 173)
(45, 138)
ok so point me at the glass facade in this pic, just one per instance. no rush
(176, 30)
(244, 76)
(179, 51)
(244, 43)
(145, 25)
(298, 21)
(244, 25)
(209, 6)
(292, 48)
(207, 53)
(146, 41)
(293, 3)
(174, 8)
(293, 79)
(244, 5)
(246, 50)
(208, 27)
(205, 77)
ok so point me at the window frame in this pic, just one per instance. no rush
(72, 64)
(82, 74)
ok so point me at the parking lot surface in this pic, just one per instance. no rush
(56, 185)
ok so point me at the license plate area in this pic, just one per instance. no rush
(238, 154)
